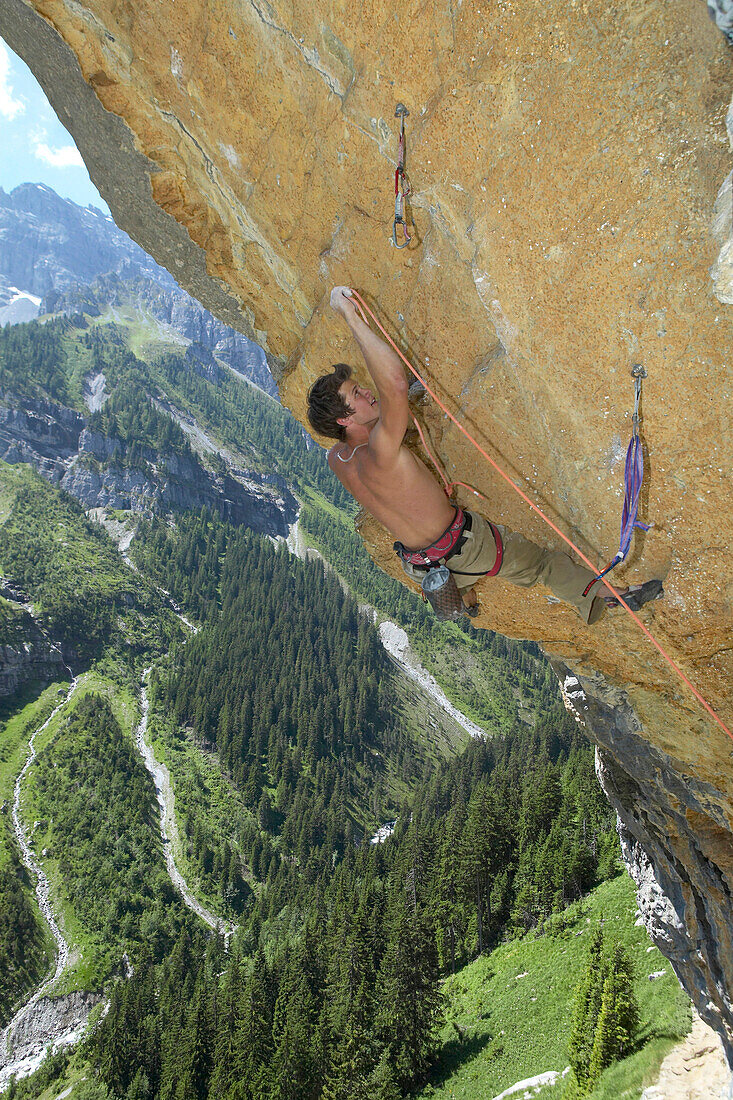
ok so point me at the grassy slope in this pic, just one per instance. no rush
(516, 1003)
(29, 712)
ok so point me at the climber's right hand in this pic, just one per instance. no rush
(342, 302)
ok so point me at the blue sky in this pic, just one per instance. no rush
(35, 146)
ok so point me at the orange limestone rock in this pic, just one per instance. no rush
(569, 215)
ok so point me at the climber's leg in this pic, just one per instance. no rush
(527, 564)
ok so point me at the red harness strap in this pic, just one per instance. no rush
(444, 548)
(499, 550)
(441, 548)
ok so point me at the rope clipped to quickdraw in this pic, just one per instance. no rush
(633, 480)
(401, 184)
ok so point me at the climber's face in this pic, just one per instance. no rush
(362, 402)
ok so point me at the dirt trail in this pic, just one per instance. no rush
(695, 1069)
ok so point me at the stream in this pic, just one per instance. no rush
(23, 1066)
(159, 772)
(64, 1019)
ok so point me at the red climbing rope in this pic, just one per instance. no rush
(362, 306)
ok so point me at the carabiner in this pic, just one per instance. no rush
(405, 234)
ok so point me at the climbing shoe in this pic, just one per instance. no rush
(637, 595)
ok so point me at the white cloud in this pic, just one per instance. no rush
(10, 106)
(63, 156)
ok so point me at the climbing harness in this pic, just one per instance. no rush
(401, 183)
(633, 479)
(364, 309)
(447, 544)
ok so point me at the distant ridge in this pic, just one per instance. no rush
(54, 252)
(49, 243)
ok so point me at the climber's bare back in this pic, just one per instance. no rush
(403, 495)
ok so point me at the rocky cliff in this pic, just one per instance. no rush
(48, 243)
(571, 217)
(96, 470)
(26, 654)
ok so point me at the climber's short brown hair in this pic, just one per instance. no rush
(326, 406)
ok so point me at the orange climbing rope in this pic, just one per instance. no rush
(362, 306)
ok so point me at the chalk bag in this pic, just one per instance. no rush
(442, 594)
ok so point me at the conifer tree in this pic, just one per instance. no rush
(382, 1082)
(231, 1046)
(140, 1088)
(618, 1018)
(449, 913)
(586, 1009)
(605, 1018)
(410, 998)
(255, 1034)
(198, 1048)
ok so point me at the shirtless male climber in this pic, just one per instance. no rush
(391, 483)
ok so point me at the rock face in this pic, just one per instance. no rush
(675, 842)
(52, 1024)
(92, 467)
(566, 161)
(26, 654)
(48, 243)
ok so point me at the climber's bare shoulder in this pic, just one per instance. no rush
(399, 492)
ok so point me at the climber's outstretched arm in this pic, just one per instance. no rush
(383, 364)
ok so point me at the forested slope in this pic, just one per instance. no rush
(342, 998)
(101, 841)
(343, 943)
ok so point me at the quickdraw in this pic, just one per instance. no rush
(401, 184)
(633, 478)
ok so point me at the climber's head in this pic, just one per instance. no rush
(326, 404)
